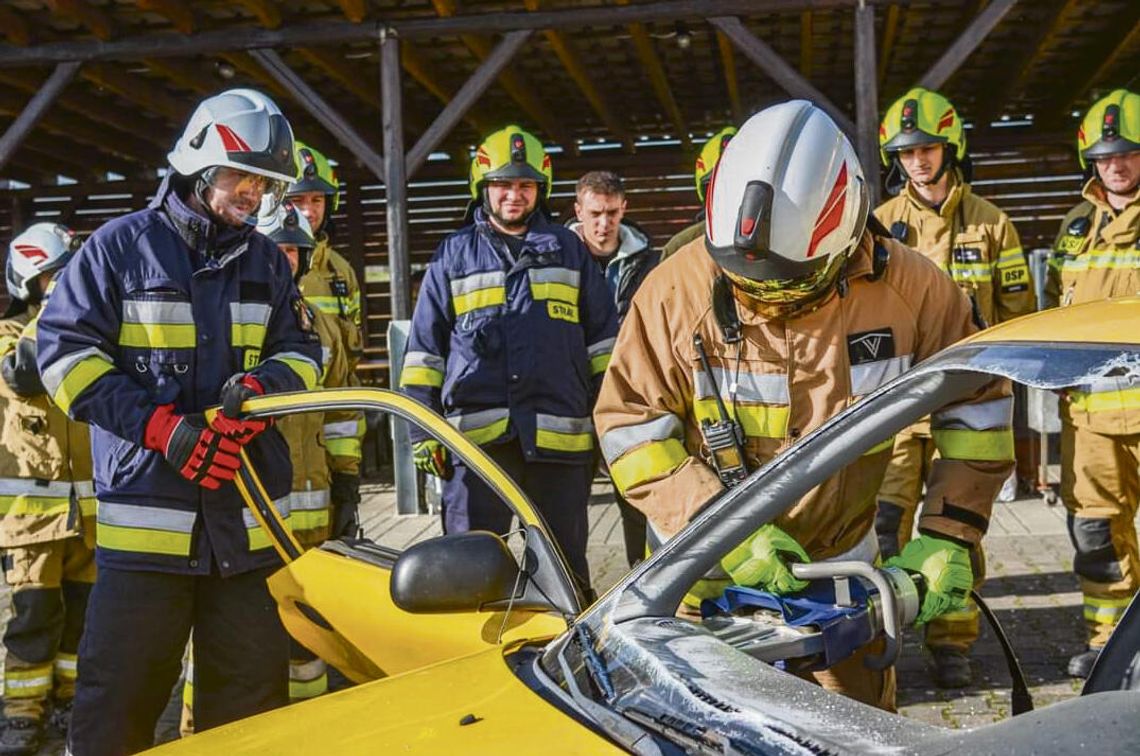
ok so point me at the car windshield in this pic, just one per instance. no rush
(707, 687)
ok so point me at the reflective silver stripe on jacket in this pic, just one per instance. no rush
(281, 504)
(33, 487)
(425, 359)
(619, 441)
(563, 424)
(996, 413)
(56, 372)
(601, 347)
(150, 518)
(343, 429)
(1107, 385)
(296, 356)
(555, 275)
(309, 500)
(477, 281)
(750, 387)
(84, 489)
(157, 312)
(480, 419)
(869, 376)
(250, 313)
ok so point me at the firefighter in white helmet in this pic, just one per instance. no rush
(47, 506)
(790, 308)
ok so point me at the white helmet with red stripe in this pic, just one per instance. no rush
(42, 248)
(786, 204)
(241, 129)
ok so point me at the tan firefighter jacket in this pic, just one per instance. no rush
(46, 491)
(309, 435)
(973, 241)
(793, 375)
(1096, 256)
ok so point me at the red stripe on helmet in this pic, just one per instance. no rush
(832, 211)
(482, 158)
(709, 200)
(32, 252)
(545, 162)
(230, 140)
(947, 120)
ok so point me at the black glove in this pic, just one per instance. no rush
(229, 422)
(345, 494)
(20, 371)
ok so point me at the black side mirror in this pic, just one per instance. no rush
(454, 573)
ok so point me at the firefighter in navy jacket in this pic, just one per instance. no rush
(166, 312)
(510, 338)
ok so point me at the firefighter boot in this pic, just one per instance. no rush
(21, 735)
(1080, 665)
(951, 668)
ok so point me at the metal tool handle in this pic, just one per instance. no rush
(819, 570)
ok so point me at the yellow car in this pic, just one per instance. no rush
(461, 648)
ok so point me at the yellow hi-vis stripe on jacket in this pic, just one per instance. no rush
(305, 368)
(31, 497)
(761, 401)
(645, 451)
(1105, 395)
(561, 284)
(980, 431)
(342, 438)
(151, 324)
(571, 434)
(258, 538)
(599, 353)
(142, 529)
(70, 376)
(422, 369)
(309, 510)
(30, 682)
(477, 291)
(248, 322)
(484, 426)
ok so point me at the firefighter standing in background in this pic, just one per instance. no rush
(1095, 257)
(924, 146)
(330, 286)
(511, 334)
(47, 508)
(790, 309)
(162, 314)
(314, 461)
(706, 161)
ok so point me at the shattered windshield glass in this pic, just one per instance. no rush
(1048, 366)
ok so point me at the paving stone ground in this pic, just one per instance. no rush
(1031, 588)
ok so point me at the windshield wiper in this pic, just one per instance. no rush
(592, 660)
(694, 738)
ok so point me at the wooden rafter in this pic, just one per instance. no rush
(968, 41)
(805, 44)
(1129, 42)
(422, 70)
(137, 89)
(190, 77)
(96, 20)
(516, 86)
(14, 28)
(178, 13)
(574, 66)
(731, 81)
(356, 82)
(658, 79)
(354, 10)
(267, 13)
(82, 161)
(887, 46)
(47, 158)
(1013, 85)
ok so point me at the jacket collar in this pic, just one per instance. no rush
(1122, 226)
(957, 194)
(216, 244)
(539, 238)
(631, 241)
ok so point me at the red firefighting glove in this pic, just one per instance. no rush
(228, 422)
(198, 453)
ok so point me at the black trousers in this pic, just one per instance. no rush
(131, 655)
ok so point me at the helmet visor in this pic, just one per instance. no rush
(238, 195)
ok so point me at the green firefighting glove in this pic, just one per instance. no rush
(945, 567)
(761, 561)
(431, 456)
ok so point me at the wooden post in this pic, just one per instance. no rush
(777, 68)
(471, 91)
(395, 178)
(867, 99)
(35, 109)
(320, 109)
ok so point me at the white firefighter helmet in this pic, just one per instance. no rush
(284, 224)
(241, 129)
(786, 204)
(42, 248)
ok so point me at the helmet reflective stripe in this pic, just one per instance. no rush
(241, 129)
(511, 153)
(316, 175)
(43, 247)
(708, 157)
(1110, 127)
(787, 199)
(921, 117)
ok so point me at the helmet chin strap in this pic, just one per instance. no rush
(947, 162)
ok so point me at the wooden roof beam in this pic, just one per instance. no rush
(179, 14)
(420, 69)
(778, 69)
(14, 28)
(1129, 41)
(731, 81)
(516, 86)
(137, 89)
(267, 13)
(574, 66)
(805, 44)
(887, 46)
(354, 10)
(658, 79)
(97, 21)
(19, 129)
(965, 44)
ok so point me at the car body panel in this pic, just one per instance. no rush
(417, 712)
(1109, 321)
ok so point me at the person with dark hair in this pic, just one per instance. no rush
(625, 257)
